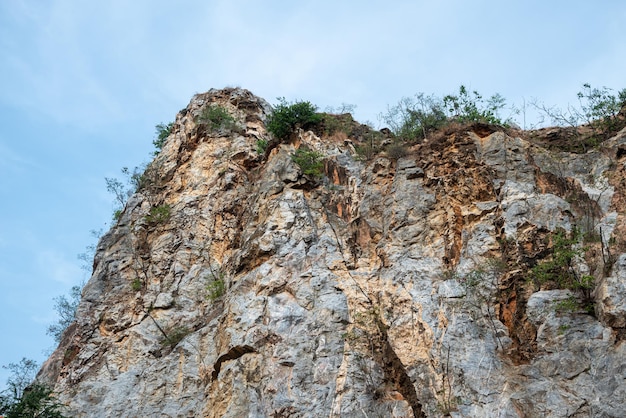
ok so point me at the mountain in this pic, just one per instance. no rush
(479, 272)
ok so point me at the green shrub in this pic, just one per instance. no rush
(136, 284)
(162, 132)
(573, 305)
(471, 107)
(287, 117)
(597, 107)
(26, 397)
(559, 268)
(600, 107)
(261, 146)
(310, 162)
(370, 146)
(567, 305)
(414, 118)
(37, 401)
(216, 117)
(216, 287)
(159, 214)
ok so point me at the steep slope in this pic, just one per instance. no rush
(233, 285)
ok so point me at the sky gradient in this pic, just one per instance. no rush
(85, 83)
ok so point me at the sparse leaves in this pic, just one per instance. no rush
(468, 106)
(414, 118)
(66, 309)
(162, 132)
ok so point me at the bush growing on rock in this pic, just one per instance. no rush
(310, 162)
(159, 214)
(559, 269)
(287, 117)
(414, 118)
(216, 117)
(471, 107)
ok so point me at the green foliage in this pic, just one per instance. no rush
(174, 336)
(559, 269)
(287, 117)
(66, 309)
(471, 107)
(162, 132)
(216, 118)
(159, 214)
(25, 397)
(216, 287)
(567, 305)
(365, 152)
(261, 146)
(416, 117)
(597, 107)
(38, 401)
(140, 178)
(119, 191)
(573, 305)
(310, 162)
(600, 107)
(136, 284)
(563, 328)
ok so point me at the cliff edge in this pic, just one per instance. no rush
(424, 282)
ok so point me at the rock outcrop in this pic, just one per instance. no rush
(234, 285)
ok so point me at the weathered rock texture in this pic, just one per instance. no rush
(387, 288)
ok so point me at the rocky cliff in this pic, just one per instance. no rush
(234, 285)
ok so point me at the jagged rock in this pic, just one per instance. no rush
(611, 296)
(373, 292)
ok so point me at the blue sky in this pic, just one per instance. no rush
(84, 83)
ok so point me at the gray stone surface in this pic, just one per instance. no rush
(347, 297)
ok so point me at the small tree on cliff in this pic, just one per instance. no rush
(24, 397)
(287, 117)
(66, 309)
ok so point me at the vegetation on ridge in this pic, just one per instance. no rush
(411, 120)
(287, 117)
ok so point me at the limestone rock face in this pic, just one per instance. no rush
(392, 288)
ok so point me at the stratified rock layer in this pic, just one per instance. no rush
(392, 288)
